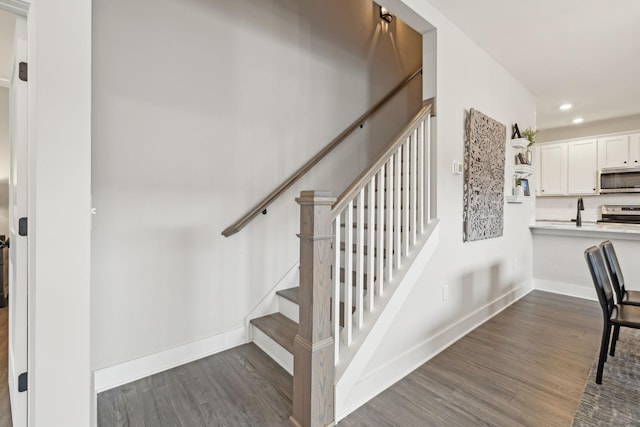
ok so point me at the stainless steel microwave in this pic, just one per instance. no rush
(619, 180)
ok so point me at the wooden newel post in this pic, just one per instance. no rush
(313, 355)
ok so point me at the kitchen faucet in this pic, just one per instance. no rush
(578, 215)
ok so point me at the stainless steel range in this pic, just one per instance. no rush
(621, 214)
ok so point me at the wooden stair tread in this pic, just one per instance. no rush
(279, 328)
(290, 294)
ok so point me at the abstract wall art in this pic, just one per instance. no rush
(484, 158)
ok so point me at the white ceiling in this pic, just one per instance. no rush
(584, 52)
(7, 25)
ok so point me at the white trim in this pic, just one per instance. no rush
(569, 289)
(17, 7)
(383, 377)
(4, 82)
(114, 376)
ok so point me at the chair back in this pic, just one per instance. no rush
(600, 279)
(614, 269)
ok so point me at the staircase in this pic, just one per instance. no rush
(377, 235)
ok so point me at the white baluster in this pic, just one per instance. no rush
(414, 190)
(389, 222)
(421, 186)
(397, 209)
(427, 163)
(380, 232)
(406, 162)
(348, 273)
(335, 309)
(371, 244)
(360, 261)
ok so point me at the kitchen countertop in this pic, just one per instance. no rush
(588, 229)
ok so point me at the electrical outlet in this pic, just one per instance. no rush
(445, 292)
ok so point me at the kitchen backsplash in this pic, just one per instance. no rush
(564, 208)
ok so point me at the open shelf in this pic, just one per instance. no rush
(520, 143)
(522, 171)
(518, 199)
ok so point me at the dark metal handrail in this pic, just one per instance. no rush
(262, 206)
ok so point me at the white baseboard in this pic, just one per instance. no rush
(114, 376)
(569, 289)
(383, 377)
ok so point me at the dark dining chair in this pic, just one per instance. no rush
(614, 315)
(617, 280)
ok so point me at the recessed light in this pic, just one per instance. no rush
(578, 120)
(565, 107)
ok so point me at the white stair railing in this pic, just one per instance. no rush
(371, 229)
(376, 223)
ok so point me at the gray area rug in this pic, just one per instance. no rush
(616, 402)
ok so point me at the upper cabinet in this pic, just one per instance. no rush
(582, 171)
(619, 151)
(553, 169)
(572, 167)
(634, 149)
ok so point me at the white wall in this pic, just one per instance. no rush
(4, 161)
(601, 127)
(484, 276)
(200, 109)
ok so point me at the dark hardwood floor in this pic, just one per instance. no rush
(526, 366)
(5, 405)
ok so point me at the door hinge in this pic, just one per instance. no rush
(22, 226)
(23, 71)
(22, 382)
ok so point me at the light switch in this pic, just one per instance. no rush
(457, 168)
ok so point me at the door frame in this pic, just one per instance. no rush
(18, 347)
(60, 380)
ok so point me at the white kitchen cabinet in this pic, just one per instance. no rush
(619, 151)
(582, 167)
(553, 170)
(634, 150)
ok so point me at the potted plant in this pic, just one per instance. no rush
(530, 135)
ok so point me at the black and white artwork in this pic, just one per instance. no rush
(485, 141)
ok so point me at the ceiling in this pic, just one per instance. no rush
(7, 25)
(583, 52)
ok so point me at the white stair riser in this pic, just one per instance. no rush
(289, 308)
(273, 349)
